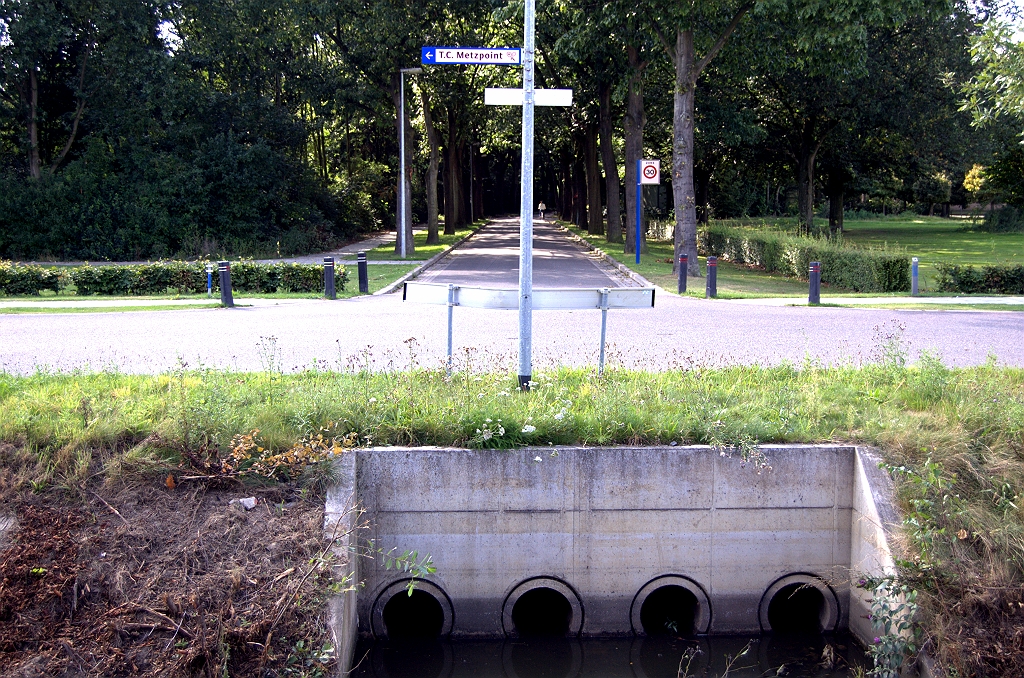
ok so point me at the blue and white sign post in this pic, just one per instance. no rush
(647, 172)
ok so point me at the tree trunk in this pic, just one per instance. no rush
(836, 197)
(682, 154)
(595, 223)
(34, 165)
(611, 170)
(701, 185)
(633, 125)
(579, 183)
(434, 144)
(454, 200)
(805, 176)
(566, 172)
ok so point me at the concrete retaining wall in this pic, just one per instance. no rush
(602, 524)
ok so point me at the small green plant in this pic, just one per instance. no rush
(934, 510)
(893, 607)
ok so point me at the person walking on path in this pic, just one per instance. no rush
(542, 208)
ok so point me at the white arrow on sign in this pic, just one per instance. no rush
(501, 96)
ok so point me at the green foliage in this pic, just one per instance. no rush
(1006, 220)
(27, 279)
(987, 280)
(893, 607)
(861, 270)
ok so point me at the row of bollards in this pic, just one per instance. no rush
(330, 291)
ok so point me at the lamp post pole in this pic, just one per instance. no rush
(403, 196)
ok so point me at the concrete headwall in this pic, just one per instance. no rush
(602, 525)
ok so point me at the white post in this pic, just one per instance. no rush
(526, 207)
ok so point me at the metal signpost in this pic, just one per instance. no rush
(647, 172)
(403, 195)
(527, 98)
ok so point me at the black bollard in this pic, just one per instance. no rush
(364, 280)
(711, 290)
(814, 297)
(224, 274)
(682, 273)
(329, 278)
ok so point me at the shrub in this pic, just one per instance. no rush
(186, 277)
(27, 278)
(989, 280)
(860, 270)
(1006, 220)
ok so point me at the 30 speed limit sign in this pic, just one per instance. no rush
(650, 171)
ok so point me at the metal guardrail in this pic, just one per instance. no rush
(548, 299)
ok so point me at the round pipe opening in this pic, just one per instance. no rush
(426, 614)
(541, 612)
(671, 606)
(418, 615)
(799, 604)
(669, 610)
(542, 607)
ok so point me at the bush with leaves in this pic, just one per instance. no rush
(27, 278)
(860, 270)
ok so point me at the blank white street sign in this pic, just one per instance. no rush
(546, 299)
(506, 96)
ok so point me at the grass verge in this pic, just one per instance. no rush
(953, 440)
(421, 250)
(106, 309)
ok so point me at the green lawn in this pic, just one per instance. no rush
(106, 309)
(422, 251)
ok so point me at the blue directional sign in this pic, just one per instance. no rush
(499, 56)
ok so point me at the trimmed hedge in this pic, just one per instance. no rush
(860, 270)
(989, 280)
(27, 278)
(161, 277)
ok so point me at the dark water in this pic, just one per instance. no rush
(652, 657)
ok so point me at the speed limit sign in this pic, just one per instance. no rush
(650, 171)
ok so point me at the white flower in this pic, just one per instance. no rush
(537, 459)
(501, 430)
(372, 400)
(488, 420)
(560, 415)
(487, 434)
(529, 429)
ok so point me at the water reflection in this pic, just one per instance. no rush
(795, 655)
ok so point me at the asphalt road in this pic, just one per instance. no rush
(386, 333)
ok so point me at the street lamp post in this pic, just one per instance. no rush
(403, 196)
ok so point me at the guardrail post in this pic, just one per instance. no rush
(683, 260)
(329, 291)
(604, 328)
(224, 272)
(451, 306)
(913, 277)
(209, 279)
(364, 280)
(711, 287)
(814, 294)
